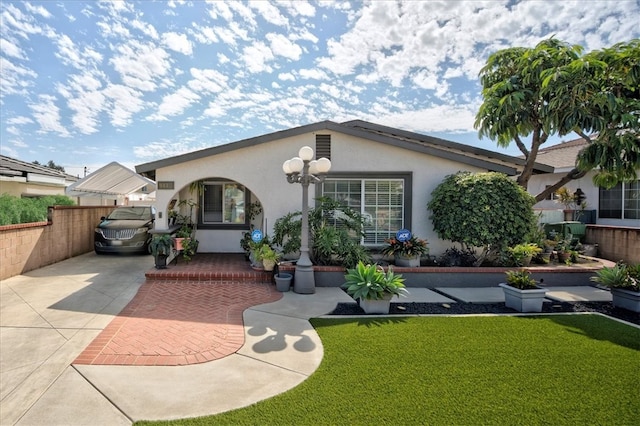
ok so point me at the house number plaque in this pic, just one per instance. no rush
(166, 184)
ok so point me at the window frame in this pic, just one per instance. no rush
(406, 177)
(222, 225)
(605, 195)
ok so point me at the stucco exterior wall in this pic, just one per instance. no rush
(18, 189)
(259, 168)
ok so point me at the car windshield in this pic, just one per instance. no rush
(131, 213)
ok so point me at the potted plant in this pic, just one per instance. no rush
(567, 199)
(181, 234)
(521, 292)
(160, 247)
(268, 256)
(189, 248)
(624, 282)
(373, 287)
(406, 253)
(523, 253)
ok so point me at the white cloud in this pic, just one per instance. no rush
(177, 42)
(14, 79)
(11, 49)
(282, 46)
(146, 28)
(256, 57)
(124, 103)
(204, 35)
(20, 120)
(269, 12)
(47, 115)
(175, 103)
(141, 65)
(209, 80)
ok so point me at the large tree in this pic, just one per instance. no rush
(555, 89)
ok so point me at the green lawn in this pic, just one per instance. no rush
(564, 369)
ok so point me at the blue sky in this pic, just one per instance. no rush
(84, 83)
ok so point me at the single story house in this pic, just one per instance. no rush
(618, 206)
(386, 173)
(22, 179)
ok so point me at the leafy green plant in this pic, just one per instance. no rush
(619, 276)
(265, 252)
(520, 279)
(520, 252)
(372, 282)
(486, 210)
(189, 248)
(409, 248)
(15, 210)
(252, 212)
(161, 244)
(330, 243)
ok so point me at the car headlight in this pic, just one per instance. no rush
(142, 230)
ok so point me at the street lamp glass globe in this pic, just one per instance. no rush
(296, 164)
(286, 168)
(306, 153)
(313, 167)
(324, 165)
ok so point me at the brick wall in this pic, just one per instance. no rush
(67, 233)
(615, 243)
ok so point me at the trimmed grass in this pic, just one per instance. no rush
(563, 369)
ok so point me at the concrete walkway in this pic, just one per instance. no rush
(49, 316)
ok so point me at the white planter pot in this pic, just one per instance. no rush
(410, 262)
(523, 300)
(626, 299)
(377, 306)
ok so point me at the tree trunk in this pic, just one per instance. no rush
(572, 175)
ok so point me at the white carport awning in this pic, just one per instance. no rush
(112, 179)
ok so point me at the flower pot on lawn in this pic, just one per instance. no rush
(376, 306)
(283, 281)
(529, 300)
(407, 261)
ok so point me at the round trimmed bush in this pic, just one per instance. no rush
(486, 210)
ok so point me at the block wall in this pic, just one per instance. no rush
(615, 243)
(67, 233)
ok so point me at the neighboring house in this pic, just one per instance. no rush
(388, 174)
(618, 206)
(22, 179)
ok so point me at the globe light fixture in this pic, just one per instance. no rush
(305, 171)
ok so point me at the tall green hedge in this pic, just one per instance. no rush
(486, 210)
(15, 210)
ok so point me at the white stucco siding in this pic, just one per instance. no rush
(259, 168)
(350, 154)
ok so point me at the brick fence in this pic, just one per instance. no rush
(615, 242)
(68, 232)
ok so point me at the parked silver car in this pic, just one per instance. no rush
(125, 230)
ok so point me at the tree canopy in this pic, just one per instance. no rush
(555, 89)
(50, 165)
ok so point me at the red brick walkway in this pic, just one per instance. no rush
(178, 323)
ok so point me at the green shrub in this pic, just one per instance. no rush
(328, 244)
(486, 210)
(15, 210)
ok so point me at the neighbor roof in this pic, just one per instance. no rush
(563, 154)
(465, 154)
(12, 167)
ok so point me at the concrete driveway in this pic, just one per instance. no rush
(47, 317)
